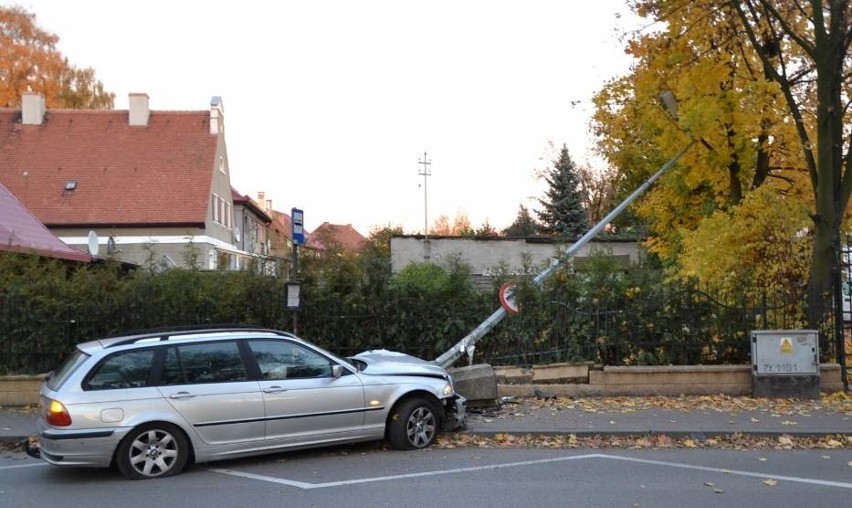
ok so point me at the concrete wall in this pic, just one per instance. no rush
(485, 255)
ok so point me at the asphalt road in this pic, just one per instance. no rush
(367, 476)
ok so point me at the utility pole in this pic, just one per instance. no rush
(425, 173)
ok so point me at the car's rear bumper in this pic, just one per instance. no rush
(86, 447)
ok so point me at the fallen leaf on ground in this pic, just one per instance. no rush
(771, 483)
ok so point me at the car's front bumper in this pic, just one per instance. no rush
(455, 408)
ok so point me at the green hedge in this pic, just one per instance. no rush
(603, 312)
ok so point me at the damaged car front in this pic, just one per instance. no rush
(390, 368)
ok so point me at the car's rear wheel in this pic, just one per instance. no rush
(153, 450)
(413, 424)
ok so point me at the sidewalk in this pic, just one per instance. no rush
(671, 416)
(618, 416)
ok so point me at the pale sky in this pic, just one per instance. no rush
(330, 104)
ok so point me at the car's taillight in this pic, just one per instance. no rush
(57, 415)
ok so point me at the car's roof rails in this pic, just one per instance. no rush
(164, 333)
(180, 328)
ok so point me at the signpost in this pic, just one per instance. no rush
(297, 220)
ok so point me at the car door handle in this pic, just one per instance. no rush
(181, 395)
(274, 389)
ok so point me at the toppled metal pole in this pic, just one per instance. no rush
(467, 344)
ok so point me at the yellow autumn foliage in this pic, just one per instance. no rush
(763, 245)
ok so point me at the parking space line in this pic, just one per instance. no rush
(796, 479)
(340, 483)
(303, 485)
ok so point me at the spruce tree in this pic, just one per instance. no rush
(523, 226)
(563, 213)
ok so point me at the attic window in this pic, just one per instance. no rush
(70, 185)
(221, 164)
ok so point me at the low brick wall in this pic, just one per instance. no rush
(570, 380)
(19, 390)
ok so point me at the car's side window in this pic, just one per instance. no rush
(127, 369)
(280, 359)
(213, 362)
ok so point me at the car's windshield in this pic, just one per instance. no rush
(58, 377)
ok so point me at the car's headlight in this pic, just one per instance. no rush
(448, 389)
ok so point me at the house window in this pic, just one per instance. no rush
(222, 164)
(229, 220)
(215, 203)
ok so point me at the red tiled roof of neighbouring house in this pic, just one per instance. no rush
(282, 223)
(344, 235)
(122, 175)
(20, 231)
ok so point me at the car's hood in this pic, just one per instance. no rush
(382, 362)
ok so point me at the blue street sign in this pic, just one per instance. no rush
(298, 220)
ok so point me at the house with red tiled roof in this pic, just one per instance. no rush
(281, 234)
(154, 186)
(21, 232)
(328, 235)
(251, 223)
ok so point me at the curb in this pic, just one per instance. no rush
(700, 435)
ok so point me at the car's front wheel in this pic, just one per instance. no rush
(153, 450)
(413, 425)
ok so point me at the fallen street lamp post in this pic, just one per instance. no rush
(467, 345)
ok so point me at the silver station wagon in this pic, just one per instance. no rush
(149, 404)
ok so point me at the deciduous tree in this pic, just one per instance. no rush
(29, 61)
(766, 86)
(804, 47)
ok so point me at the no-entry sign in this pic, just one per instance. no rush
(506, 299)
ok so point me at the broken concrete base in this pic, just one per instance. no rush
(478, 383)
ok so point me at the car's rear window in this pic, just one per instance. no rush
(60, 375)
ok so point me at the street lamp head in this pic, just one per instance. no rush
(670, 103)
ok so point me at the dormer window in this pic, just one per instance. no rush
(70, 185)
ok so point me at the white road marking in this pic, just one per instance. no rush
(796, 479)
(307, 486)
(20, 466)
(303, 485)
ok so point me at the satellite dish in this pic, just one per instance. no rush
(93, 243)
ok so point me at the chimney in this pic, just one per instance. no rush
(139, 111)
(217, 115)
(32, 108)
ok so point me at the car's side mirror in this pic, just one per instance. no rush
(337, 370)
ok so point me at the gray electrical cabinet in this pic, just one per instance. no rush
(785, 363)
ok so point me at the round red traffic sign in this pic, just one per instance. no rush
(506, 299)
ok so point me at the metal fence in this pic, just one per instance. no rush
(677, 327)
(683, 327)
